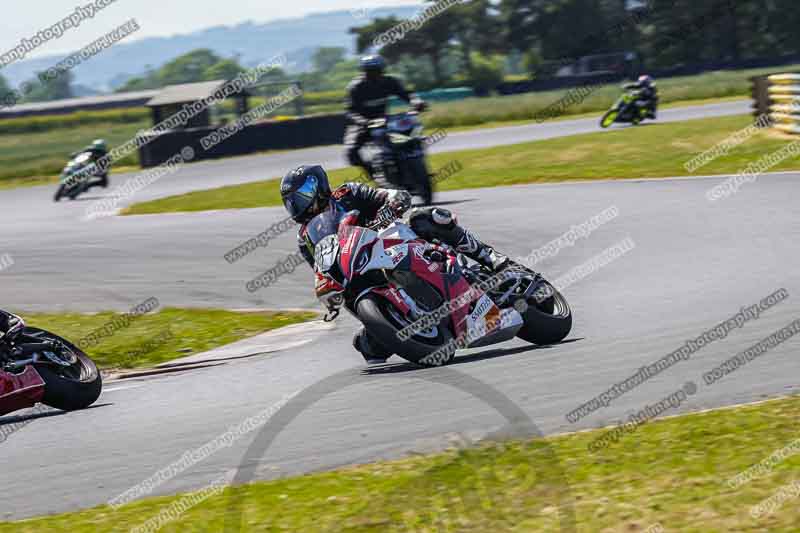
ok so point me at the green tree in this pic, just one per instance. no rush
(431, 40)
(54, 89)
(4, 87)
(365, 36)
(5, 91)
(523, 22)
(477, 26)
(226, 69)
(487, 72)
(327, 57)
(188, 68)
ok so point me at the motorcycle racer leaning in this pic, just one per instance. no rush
(367, 99)
(98, 149)
(647, 94)
(306, 193)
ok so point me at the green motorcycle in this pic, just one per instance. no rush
(72, 183)
(625, 110)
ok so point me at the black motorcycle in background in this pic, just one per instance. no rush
(397, 153)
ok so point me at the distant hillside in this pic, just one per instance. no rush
(254, 43)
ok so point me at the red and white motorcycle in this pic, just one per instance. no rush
(422, 300)
(39, 366)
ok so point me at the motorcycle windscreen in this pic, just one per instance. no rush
(322, 235)
(324, 225)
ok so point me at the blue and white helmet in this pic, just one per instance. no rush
(372, 62)
(645, 80)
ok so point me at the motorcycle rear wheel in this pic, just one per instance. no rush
(383, 323)
(546, 322)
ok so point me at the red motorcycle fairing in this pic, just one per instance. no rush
(355, 249)
(18, 391)
(447, 279)
(356, 245)
(391, 294)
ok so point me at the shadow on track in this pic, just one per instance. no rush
(90, 198)
(405, 366)
(16, 419)
(450, 202)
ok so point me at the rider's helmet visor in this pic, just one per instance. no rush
(299, 201)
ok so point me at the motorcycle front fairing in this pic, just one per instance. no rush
(398, 248)
(75, 165)
(405, 132)
(18, 391)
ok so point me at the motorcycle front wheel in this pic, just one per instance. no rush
(609, 118)
(68, 388)
(383, 322)
(59, 193)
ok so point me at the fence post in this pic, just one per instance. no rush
(761, 101)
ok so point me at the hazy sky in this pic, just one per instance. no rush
(24, 18)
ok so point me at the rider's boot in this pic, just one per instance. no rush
(441, 224)
(475, 249)
(373, 353)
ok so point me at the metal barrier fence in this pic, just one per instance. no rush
(315, 130)
(783, 91)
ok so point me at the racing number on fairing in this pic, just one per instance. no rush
(325, 253)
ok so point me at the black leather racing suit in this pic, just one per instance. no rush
(429, 223)
(4, 317)
(367, 200)
(368, 100)
(647, 95)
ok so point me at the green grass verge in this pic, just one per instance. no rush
(42, 154)
(672, 472)
(38, 146)
(168, 334)
(653, 150)
(475, 111)
(72, 120)
(590, 114)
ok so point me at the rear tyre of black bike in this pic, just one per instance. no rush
(547, 320)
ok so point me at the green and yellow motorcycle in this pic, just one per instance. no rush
(625, 111)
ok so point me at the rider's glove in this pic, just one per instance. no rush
(420, 105)
(398, 201)
(358, 120)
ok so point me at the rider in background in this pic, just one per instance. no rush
(98, 149)
(306, 193)
(647, 94)
(368, 99)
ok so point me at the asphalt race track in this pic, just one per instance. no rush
(694, 264)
